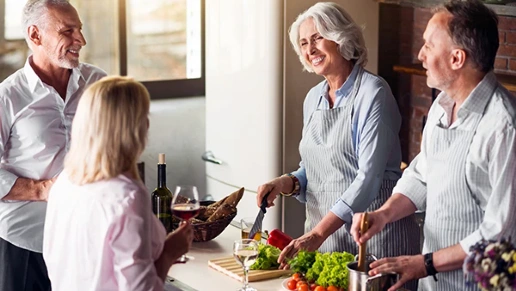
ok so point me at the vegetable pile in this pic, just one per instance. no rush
(325, 270)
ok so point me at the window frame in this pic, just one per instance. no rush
(164, 89)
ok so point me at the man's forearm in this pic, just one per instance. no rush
(29, 190)
(449, 259)
(397, 207)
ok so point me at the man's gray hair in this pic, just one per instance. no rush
(34, 13)
(335, 24)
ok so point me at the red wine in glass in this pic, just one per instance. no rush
(185, 211)
(185, 205)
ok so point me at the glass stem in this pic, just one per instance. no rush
(246, 281)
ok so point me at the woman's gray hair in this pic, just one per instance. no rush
(34, 13)
(335, 24)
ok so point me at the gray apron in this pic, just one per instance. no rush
(452, 210)
(331, 166)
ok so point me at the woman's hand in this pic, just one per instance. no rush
(408, 267)
(274, 187)
(376, 221)
(310, 241)
(179, 241)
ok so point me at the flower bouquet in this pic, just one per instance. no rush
(492, 265)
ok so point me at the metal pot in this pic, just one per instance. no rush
(361, 281)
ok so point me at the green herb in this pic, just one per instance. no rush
(330, 269)
(267, 258)
(302, 262)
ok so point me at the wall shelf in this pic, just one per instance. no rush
(508, 81)
(500, 9)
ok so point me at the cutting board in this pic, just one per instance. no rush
(234, 270)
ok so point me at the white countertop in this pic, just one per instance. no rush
(198, 275)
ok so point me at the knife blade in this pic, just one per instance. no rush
(257, 225)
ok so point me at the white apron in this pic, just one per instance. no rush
(331, 166)
(452, 211)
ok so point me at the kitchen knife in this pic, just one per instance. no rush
(257, 225)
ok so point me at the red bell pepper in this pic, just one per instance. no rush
(278, 239)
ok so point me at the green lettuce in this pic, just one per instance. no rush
(330, 269)
(302, 262)
(267, 258)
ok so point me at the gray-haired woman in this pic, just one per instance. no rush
(350, 148)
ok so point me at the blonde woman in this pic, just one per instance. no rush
(100, 233)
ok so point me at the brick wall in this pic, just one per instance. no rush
(401, 37)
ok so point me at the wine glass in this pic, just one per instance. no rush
(185, 205)
(245, 252)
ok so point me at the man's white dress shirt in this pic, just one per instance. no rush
(35, 124)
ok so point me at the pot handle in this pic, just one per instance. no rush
(373, 277)
(378, 276)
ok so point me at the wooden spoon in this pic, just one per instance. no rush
(364, 226)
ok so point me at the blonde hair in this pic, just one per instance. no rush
(109, 130)
(335, 24)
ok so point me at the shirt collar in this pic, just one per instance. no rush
(479, 97)
(344, 90)
(33, 79)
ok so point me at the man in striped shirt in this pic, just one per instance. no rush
(464, 175)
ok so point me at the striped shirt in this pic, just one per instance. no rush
(490, 162)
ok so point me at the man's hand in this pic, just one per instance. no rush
(376, 221)
(310, 241)
(408, 267)
(30, 190)
(46, 185)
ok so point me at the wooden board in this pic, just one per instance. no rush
(230, 267)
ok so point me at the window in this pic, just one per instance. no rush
(157, 42)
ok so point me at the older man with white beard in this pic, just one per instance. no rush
(37, 105)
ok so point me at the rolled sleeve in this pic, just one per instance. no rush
(7, 179)
(412, 184)
(499, 214)
(301, 176)
(343, 211)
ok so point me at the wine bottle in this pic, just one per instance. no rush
(162, 197)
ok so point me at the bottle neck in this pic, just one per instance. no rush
(162, 175)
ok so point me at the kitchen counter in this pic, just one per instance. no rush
(199, 276)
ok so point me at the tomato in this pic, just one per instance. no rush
(313, 286)
(332, 288)
(301, 282)
(320, 288)
(292, 284)
(303, 287)
(297, 276)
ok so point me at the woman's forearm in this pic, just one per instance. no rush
(328, 225)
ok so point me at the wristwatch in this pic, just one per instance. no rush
(296, 185)
(429, 265)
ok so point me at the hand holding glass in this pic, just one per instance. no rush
(185, 205)
(245, 252)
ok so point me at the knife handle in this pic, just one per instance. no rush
(263, 207)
